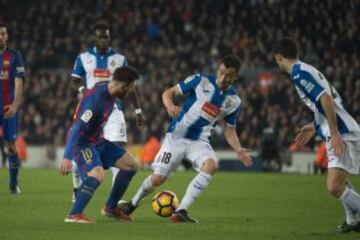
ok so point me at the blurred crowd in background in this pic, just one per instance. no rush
(170, 40)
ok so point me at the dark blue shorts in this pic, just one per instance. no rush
(87, 156)
(10, 127)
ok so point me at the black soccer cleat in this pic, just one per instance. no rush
(182, 216)
(127, 207)
(345, 228)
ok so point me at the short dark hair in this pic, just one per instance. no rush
(125, 74)
(101, 25)
(231, 61)
(287, 47)
(2, 25)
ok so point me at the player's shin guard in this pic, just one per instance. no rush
(120, 185)
(145, 189)
(351, 199)
(85, 192)
(13, 169)
(195, 188)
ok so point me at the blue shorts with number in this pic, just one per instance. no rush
(105, 154)
(9, 126)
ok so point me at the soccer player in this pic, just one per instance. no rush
(210, 99)
(332, 122)
(12, 73)
(95, 65)
(93, 154)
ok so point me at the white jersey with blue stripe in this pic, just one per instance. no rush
(205, 105)
(310, 85)
(93, 67)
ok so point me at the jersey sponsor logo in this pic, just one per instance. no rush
(189, 79)
(101, 74)
(210, 110)
(4, 75)
(86, 116)
(307, 85)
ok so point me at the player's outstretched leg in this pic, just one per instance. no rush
(128, 168)
(85, 193)
(195, 188)
(338, 186)
(76, 180)
(14, 165)
(147, 187)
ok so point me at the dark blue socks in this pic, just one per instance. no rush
(84, 194)
(13, 169)
(121, 183)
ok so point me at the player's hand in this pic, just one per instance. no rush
(337, 143)
(65, 167)
(244, 157)
(173, 110)
(10, 110)
(140, 120)
(305, 134)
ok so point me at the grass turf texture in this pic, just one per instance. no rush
(234, 206)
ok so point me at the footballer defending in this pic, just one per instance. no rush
(210, 99)
(332, 122)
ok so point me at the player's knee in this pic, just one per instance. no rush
(157, 180)
(209, 166)
(98, 173)
(11, 147)
(335, 189)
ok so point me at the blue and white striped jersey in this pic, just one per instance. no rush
(93, 67)
(205, 105)
(310, 85)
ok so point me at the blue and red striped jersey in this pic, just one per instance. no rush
(91, 114)
(11, 67)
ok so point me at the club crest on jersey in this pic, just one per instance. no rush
(209, 111)
(113, 63)
(228, 103)
(86, 116)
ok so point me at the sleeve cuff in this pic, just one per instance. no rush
(180, 90)
(319, 95)
(75, 75)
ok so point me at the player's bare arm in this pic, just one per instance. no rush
(305, 134)
(336, 138)
(233, 140)
(10, 110)
(78, 84)
(135, 99)
(167, 98)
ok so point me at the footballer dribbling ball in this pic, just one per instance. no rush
(165, 203)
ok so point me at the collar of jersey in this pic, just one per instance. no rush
(109, 50)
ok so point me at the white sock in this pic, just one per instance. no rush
(145, 189)
(76, 179)
(114, 172)
(195, 188)
(351, 200)
(351, 218)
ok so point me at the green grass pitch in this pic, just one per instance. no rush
(235, 206)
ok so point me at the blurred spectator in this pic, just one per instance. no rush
(269, 151)
(169, 40)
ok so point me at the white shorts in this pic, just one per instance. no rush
(349, 160)
(115, 127)
(174, 149)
